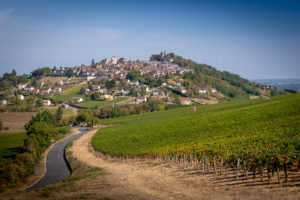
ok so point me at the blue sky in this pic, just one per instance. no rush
(255, 38)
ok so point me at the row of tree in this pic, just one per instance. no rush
(40, 130)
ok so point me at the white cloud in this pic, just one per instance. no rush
(4, 14)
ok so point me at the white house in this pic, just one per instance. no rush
(22, 86)
(108, 97)
(88, 78)
(29, 88)
(212, 90)
(140, 99)
(21, 97)
(3, 102)
(47, 102)
(77, 99)
(185, 101)
(183, 90)
(202, 90)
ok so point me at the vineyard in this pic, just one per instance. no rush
(257, 136)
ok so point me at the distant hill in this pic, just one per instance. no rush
(281, 84)
(229, 84)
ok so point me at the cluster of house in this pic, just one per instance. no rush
(113, 68)
(44, 91)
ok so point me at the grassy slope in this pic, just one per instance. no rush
(92, 104)
(69, 94)
(66, 111)
(10, 143)
(181, 129)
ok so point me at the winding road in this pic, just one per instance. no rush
(56, 165)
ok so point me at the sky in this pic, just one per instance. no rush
(257, 39)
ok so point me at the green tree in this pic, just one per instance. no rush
(82, 91)
(13, 72)
(143, 91)
(44, 116)
(70, 72)
(39, 103)
(133, 92)
(58, 114)
(93, 63)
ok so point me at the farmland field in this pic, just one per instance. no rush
(10, 144)
(15, 121)
(92, 104)
(69, 94)
(261, 128)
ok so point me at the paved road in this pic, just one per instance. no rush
(56, 166)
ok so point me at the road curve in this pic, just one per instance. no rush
(56, 165)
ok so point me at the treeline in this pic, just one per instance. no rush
(40, 130)
(10, 80)
(232, 85)
(125, 110)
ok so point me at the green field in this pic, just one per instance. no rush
(69, 94)
(66, 111)
(249, 129)
(10, 145)
(93, 104)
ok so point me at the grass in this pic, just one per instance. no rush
(10, 145)
(181, 130)
(93, 104)
(66, 111)
(69, 94)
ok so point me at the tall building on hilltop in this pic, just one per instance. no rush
(113, 60)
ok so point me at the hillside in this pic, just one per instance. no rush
(231, 85)
(253, 130)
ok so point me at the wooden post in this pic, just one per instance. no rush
(269, 175)
(221, 166)
(278, 175)
(203, 165)
(215, 170)
(285, 174)
(245, 169)
(237, 168)
(261, 173)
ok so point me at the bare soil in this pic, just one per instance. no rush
(15, 121)
(52, 80)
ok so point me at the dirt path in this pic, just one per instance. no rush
(133, 180)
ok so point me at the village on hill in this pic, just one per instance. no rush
(138, 81)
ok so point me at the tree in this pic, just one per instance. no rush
(33, 82)
(110, 84)
(41, 72)
(92, 121)
(93, 63)
(44, 116)
(39, 103)
(133, 92)
(70, 72)
(143, 91)
(58, 115)
(95, 96)
(13, 72)
(1, 126)
(82, 91)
